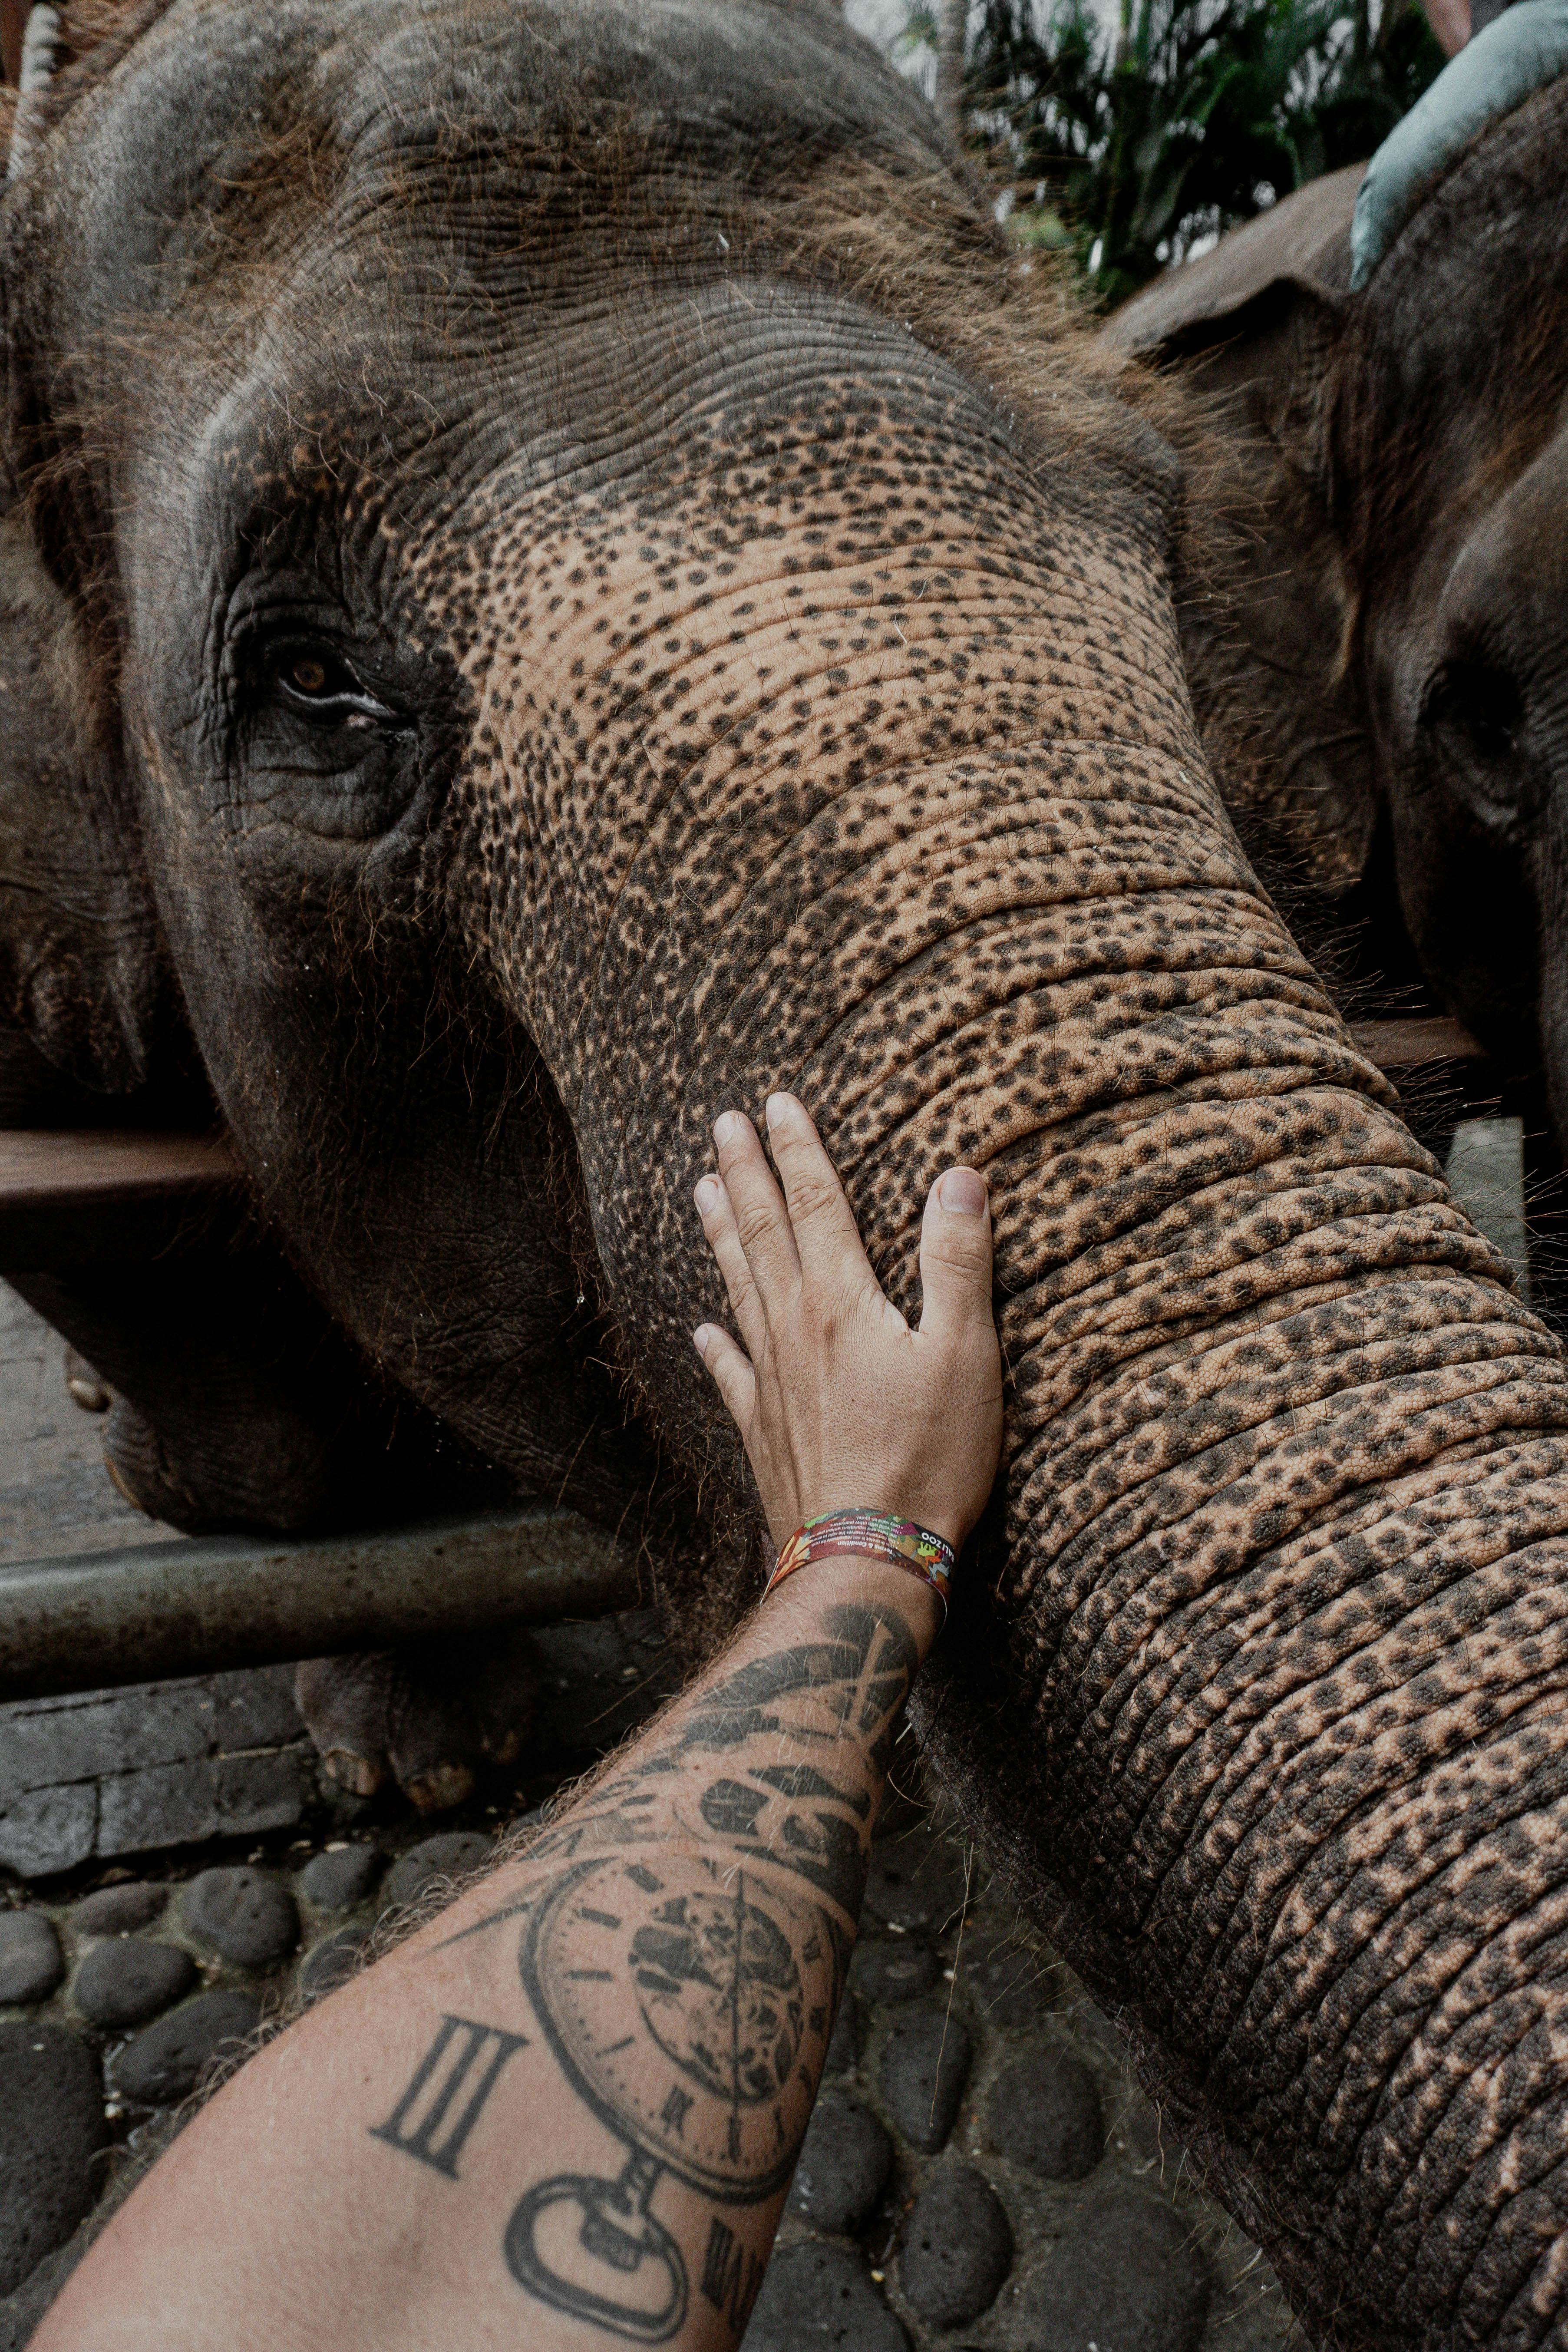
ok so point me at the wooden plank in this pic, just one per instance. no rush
(13, 25)
(70, 1195)
(1397, 1046)
(84, 1167)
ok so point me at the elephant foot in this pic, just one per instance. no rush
(432, 1716)
(346, 1705)
(123, 1486)
(83, 1385)
(431, 1742)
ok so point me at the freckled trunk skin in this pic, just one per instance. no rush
(895, 797)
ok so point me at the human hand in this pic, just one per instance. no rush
(839, 1403)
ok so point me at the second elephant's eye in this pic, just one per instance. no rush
(1474, 717)
(317, 679)
(1479, 706)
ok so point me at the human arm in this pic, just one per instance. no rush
(566, 2111)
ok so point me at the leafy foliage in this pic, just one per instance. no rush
(1134, 141)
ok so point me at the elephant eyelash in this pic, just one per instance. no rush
(317, 682)
(1474, 717)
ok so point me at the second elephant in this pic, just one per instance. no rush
(1376, 624)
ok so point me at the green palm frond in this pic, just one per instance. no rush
(1132, 142)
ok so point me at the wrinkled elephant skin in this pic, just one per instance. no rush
(602, 590)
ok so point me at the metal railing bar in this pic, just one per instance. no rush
(151, 1612)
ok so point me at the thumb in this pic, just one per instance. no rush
(955, 1254)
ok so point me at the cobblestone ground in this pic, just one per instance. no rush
(981, 2171)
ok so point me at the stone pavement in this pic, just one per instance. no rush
(1486, 1169)
(981, 2171)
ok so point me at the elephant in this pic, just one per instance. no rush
(1378, 648)
(574, 578)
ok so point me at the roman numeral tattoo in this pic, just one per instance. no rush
(415, 2123)
(731, 2276)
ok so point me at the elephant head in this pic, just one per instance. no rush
(606, 590)
(1377, 630)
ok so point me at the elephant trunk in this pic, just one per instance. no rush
(1284, 1642)
(897, 801)
(1279, 1638)
(1279, 1635)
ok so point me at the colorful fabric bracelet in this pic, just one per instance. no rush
(871, 1535)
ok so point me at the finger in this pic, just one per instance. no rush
(722, 1235)
(955, 1254)
(826, 1233)
(731, 1372)
(762, 1219)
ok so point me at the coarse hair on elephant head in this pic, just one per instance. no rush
(883, 220)
(616, 593)
(1376, 612)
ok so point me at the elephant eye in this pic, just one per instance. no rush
(321, 736)
(1476, 712)
(316, 678)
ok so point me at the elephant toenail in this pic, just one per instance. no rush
(438, 1788)
(357, 1774)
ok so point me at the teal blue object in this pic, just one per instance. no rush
(1517, 53)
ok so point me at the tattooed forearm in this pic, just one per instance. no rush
(836, 1701)
(565, 2112)
(682, 1936)
(690, 2012)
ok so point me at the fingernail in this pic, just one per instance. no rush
(709, 1193)
(962, 1193)
(781, 1109)
(699, 1338)
(725, 1125)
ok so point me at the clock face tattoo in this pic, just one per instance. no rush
(736, 1987)
(722, 1997)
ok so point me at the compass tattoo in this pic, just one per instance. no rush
(685, 1934)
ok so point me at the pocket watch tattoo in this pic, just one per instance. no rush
(684, 1947)
(711, 2077)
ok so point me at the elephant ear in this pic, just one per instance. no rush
(81, 974)
(80, 967)
(1267, 606)
(1300, 246)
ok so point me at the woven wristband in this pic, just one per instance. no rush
(869, 1534)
